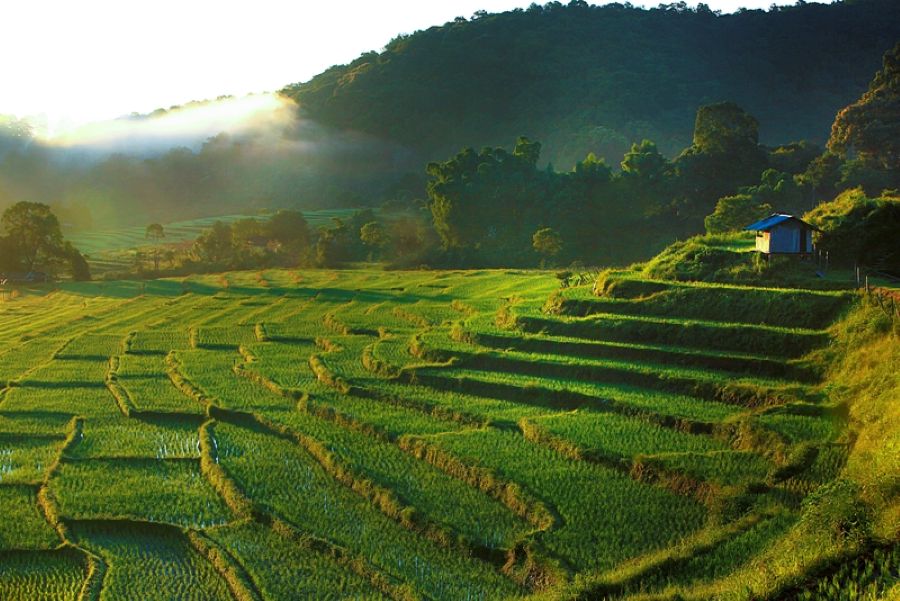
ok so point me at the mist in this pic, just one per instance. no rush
(205, 158)
(187, 126)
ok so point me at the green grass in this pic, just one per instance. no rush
(158, 395)
(23, 526)
(25, 458)
(282, 569)
(150, 562)
(315, 503)
(438, 496)
(368, 434)
(45, 575)
(564, 393)
(16, 360)
(619, 436)
(723, 558)
(606, 516)
(631, 295)
(114, 489)
(137, 438)
(57, 399)
(725, 467)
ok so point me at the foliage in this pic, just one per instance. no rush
(587, 78)
(776, 191)
(862, 150)
(155, 231)
(869, 127)
(547, 242)
(33, 231)
(858, 229)
(373, 235)
(734, 213)
(486, 206)
(33, 239)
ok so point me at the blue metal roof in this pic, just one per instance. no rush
(773, 220)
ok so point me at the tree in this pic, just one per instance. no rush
(871, 126)
(374, 236)
(646, 174)
(8, 258)
(794, 158)
(527, 151)
(823, 175)
(724, 128)
(288, 228)
(725, 155)
(546, 242)
(488, 203)
(33, 232)
(78, 265)
(733, 213)
(645, 162)
(156, 233)
(215, 245)
(333, 245)
(409, 238)
(776, 191)
(859, 229)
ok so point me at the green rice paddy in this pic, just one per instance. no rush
(399, 435)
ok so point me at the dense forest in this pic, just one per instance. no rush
(584, 78)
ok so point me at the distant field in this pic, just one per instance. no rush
(401, 435)
(105, 248)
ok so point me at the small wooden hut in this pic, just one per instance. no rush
(782, 234)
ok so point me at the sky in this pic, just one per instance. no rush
(67, 63)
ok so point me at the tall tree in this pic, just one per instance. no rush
(155, 232)
(724, 156)
(33, 231)
(547, 243)
(870, 127)
(374, 236)
(289, 229)
(215, 245)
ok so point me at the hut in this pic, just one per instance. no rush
(783, 234)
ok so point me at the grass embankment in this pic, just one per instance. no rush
(843, 541)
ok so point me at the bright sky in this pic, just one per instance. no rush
(67, 62)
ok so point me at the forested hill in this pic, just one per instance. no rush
(586, 78)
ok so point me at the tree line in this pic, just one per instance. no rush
(498, 207)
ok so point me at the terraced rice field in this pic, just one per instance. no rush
(419, 435)
(113, 249)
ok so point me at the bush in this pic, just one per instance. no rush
(858, 229)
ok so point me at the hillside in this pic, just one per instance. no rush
(437, 435)
(595, 79)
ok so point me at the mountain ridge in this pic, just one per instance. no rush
(586, 78)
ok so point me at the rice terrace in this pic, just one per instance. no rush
(324, 434)
(381, 301)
